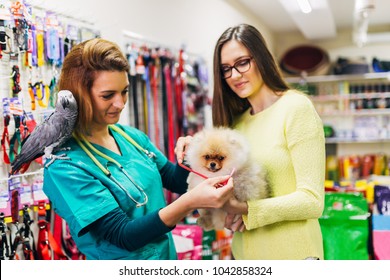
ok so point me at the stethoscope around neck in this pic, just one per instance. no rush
(80, 139)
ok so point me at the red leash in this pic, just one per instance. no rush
(205, 177)
(193, 171)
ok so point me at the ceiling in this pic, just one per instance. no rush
(340, 15)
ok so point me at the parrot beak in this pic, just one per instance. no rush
(64, 102)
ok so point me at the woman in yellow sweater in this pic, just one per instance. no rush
(286, 138)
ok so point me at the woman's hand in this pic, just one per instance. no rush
(205, 195)
(235, 210)
(209, 194)
(234, 206)
(181, 144)
(234, 222)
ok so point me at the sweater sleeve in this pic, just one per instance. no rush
(305, 146)
(125, 233)
(174, 178)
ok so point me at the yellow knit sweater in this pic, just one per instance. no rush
(287, 139)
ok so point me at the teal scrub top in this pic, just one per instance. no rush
(81, 194)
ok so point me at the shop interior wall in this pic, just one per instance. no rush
(195, 24)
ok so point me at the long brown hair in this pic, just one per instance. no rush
(226, 104)
(78, 73)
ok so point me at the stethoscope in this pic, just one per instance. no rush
(106, 171)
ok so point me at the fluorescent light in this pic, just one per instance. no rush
(305, 6)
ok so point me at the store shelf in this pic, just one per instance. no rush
(352, 105)
(363, 112)
(338, 78)
(335, 140)
(346, 96)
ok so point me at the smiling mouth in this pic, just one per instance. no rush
(113, 114)
(239, 85)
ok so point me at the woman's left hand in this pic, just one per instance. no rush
(181, 144)
(234, 206)
(234, 222)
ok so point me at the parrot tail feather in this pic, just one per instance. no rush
(21, 168)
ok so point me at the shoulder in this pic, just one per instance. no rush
(295, 102)
(297, 98)
(133, 132)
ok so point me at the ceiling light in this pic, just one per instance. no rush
(305, 6)
(316, 25)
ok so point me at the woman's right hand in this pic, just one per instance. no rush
(181, 145)
(209, 193)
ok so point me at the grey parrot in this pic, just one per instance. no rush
(50, 135)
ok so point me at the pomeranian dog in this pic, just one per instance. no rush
(221, 151)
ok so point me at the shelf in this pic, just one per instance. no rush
(335, 140)
(349, 96)
(338, 78)
(363, 112)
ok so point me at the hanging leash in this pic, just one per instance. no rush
(4, 247)
(5, 141)
(47, 247)
(16, 141)
(171, 132)
(148, 102)
(154, 85)
(16, 80)
(28, 237)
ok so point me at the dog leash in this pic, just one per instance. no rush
(205, 177)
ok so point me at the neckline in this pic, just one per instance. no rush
(112, 154)
(269, 108)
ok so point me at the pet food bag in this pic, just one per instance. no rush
(345, 226)
(188, 241)
(381, 223)
(381, 236)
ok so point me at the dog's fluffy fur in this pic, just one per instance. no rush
(215, 152)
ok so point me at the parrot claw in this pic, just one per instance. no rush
(52, 158)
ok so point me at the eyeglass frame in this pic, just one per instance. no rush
(249, 58)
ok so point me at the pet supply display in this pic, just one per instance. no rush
(381, 236)
(381, 223)
(308, 59)
(345, 226)
(382, 200)
(380, 65)
(188, 241)
(345, 66)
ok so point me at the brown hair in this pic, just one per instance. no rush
(78, 73)
(226, 104)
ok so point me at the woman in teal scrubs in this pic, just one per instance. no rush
(110, 190)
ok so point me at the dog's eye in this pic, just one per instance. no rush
(207, 157)
(221, 158)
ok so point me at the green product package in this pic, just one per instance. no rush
(207, 251)
(345, 226)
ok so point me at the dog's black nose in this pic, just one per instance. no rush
(212, 164)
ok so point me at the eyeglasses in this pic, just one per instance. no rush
(241, 66)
